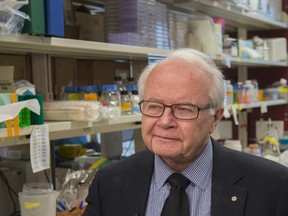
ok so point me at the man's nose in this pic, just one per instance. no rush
(167, 117)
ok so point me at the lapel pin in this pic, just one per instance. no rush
(234, 198)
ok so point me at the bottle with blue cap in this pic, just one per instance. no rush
(111, 100)
(71, 93)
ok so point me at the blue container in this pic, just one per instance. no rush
(54, 18)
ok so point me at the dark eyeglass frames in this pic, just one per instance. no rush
(179, 111)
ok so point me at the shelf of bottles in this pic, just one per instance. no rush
(65, 129)
(235, 14)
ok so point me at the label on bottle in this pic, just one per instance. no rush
(126, 106)
(90, 96)
(73, 96)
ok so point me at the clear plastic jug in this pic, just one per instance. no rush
(38, 199)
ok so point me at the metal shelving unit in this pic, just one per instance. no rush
(26, 44)
(65, 129)
(264, 103)
(234, 15)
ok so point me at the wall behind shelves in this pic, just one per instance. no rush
(21, 63)
(265, 76)
(268, 75)
(75, 72)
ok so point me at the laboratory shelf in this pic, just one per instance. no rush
(264, 103)
(234, 15)
(65, 129)
(228, 61)
(53, 46)
(63, 47)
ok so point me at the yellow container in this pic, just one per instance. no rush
(71, 150)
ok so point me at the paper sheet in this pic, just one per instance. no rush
(40, 148)
(10, 111)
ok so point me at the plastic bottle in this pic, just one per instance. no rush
(114, 100)
(24, 114)
(71, 93)
(126, 103)
(240, 92)
(249, 92)
(118, 81)
(103, 98)
(266, 51)
(90, 93)
(229, 92)
(135, 101)
(81, 90)
(256, 89)
(235, 93)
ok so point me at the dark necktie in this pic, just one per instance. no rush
(176, 203)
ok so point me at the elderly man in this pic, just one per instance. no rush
(184, 171)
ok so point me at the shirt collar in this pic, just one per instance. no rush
(198, 172)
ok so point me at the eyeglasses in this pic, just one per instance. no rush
(179, 111)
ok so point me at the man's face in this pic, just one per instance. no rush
(178, 142)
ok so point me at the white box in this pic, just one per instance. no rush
(277, 48)
(276, 9)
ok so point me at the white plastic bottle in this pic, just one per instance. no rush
(256, 89)
(249, 92)
(71, 93)
(114, 98)
(266, 52)
(103, 96)
(135, 100)
(118, 81)
(229, 92)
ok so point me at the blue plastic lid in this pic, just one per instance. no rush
(89, 89)
(71, 89)
(96, 88)
(111, 87)
(81, 88)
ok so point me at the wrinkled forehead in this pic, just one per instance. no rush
(177, 81)
(178, 71)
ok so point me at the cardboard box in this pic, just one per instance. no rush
(72, 32)
(277, 49)
(91, 27)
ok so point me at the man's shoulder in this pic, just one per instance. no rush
(245, 161)
(140, 160)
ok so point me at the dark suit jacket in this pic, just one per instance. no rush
(242, 185)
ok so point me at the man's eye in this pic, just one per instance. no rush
(185, 109)
(154, 107)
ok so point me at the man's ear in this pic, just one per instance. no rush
(216, 119)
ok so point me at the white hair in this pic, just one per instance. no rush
(193, 57)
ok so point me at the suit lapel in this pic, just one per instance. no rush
(139, 184)
(227, 197)
(227, 200)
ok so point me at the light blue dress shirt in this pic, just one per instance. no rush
(199, 190)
